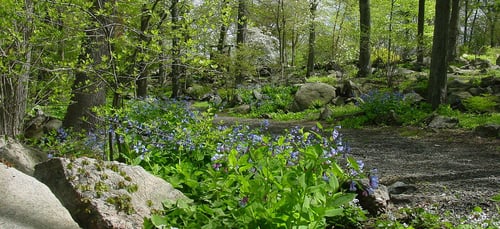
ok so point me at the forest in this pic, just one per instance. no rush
(142, 81)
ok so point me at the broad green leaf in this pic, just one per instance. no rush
(159, 221)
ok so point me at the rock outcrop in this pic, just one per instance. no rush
(105, 194)
(20, 156)
(27, 203)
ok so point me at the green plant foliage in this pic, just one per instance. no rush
(391, 109)
(481, 104)
(322, 79)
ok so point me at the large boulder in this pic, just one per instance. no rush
(22, 157)
(311, 94)
(27, 203)
(105, 194)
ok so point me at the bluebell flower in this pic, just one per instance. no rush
(352, 186)
(325, 177)
(244, 201)
(217, 156)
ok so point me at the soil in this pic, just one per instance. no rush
(449, 172)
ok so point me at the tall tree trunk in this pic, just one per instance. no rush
(176, 48)
(241, 34)
(420, 34)
(453, 30)
(364, 41)
(466, 21)
(439, 65)
(89, 89)
(14, 85)
(313, 5)
(142, 80)
(389, 48)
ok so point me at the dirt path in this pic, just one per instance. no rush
(445, 170)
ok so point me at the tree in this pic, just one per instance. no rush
(241, 32)
(364, 41)
(453, 30)
(15, 72)
(176, 48)
(313, 6)
(420, 34)
(439, 65)
(89, 88)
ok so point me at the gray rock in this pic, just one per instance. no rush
(413, 97)
(22, 157)
(242, 109)
(488, 130)
(313, 93)
(401, 188)
(457, 84)
(349, 89)
(27, 203)
(442, 122)
(104, 194)
(455, 99)
(376, 203)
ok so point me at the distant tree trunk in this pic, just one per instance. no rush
(242, 22)
(364, 41)
(280, 28)
(223, 29)
(241, 34)
(176, 49)
(14, 85)
(466, 21)
(142, 80)
(439, 65)
(313, 5)
(420, 34)
(453, 30)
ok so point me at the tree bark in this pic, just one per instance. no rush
(176, 49)
(242, 22)
(420, 34)
(89, 88)
(453, 31)
(364, 41)
(14, 85)
(313, 5)
(437, 77)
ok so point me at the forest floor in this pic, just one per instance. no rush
(448, 172)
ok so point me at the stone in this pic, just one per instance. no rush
(458, 85)
(455, 99)
(27, 203)
(257, 95)
(413, 97)
(311, 94)
(242, 109)
(105, 194)
(488, 131)
(348, 89)
(401, 188)
(442, 122)
(481, 63)
(376, 203)
(22, 157)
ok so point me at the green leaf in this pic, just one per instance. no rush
(339, 199)
(334, 212)
(159, 221)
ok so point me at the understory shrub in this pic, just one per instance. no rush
(391, 108)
